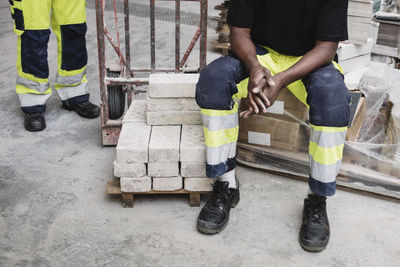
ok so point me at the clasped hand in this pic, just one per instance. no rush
(263, 88)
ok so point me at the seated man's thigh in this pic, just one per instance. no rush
(217, 83)
(328, 97)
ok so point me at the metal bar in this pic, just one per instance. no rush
(117, 49)
(190, 47)
(101, 55)
(125, 81)
(203, 29)
(152, 34)
(128, 71)
(177, 34)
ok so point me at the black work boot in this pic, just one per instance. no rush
(34, 122)
(315, 231)
(84, 109)
(214, 216)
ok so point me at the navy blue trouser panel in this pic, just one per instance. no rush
(34, 109)
(217, 82)
(73, 42)
(328, 97)
(34, 52)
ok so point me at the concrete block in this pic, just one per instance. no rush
(129, 169)
(172, 85)
(142, 184)
(172, 104)
(173, 117)
(165, 169)
(164, 144)
(136, 112)
(193, 169)
(193, 148)
(133, 143)
(199, 184)
(167, 183)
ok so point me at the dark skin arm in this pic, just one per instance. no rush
(263, 88)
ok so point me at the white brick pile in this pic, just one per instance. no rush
(161, 145)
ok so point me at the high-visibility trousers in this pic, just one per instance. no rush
(224, 82)
(32, 26)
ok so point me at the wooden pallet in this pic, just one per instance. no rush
(296, 165)
(114, 188)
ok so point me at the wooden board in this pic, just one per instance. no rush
(114, 188)
(297, 165)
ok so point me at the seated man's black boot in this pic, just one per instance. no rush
(84, 109)
(34, 122)
(214, 216)
(315, 231)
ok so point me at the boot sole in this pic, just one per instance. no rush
(313, 248)
(210, 228)
(86, 116)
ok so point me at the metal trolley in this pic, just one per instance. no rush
(116, 84)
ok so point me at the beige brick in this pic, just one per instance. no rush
(164, 144)
(165, 169)
(136, 112)
(193, 148)
(167, 183)
(172, 85)
(172, 104)
(199, 184)
(129, 169)
(133, 143)
(142, 184)
(173, 117)
(193, 169)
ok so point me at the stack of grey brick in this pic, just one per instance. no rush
(161, 145)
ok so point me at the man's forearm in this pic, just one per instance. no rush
(243, 47)
(322, 54)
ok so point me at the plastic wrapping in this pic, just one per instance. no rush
(378, 145)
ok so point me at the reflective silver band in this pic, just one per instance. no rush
(216, 123)
(70, 80)
(216, 155)
(28, 100)
(68, 92)
(327, 139)
(324, 173)
(39, 87)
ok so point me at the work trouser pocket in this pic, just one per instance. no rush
(17, 15)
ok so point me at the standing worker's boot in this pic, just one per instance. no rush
(34, 122)
(84, 109)
(315, 231)
(214, 216)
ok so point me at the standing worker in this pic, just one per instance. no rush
(277, 44)
(32, 26)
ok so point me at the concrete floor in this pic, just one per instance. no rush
(54, 210)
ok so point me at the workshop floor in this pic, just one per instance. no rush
(54, 210)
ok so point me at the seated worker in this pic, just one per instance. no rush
(31, 25)
(277, 44)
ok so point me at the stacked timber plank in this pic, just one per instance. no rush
(161, 145)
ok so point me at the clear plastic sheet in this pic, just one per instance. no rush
(378, 145)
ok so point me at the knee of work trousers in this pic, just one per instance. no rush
(73, 46)
(217, 83)
(33, 52)
(328, 97)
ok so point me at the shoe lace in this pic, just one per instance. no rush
(218, 197)
(315, 213)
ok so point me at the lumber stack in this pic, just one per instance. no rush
(161, 145)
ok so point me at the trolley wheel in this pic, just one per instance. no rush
(116, 98)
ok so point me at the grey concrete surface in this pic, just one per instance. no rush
(54, 210)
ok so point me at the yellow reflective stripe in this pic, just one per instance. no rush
(327, 129)
(338, 67)
(325, 155)
(214, 112)
(221, 137)
(70, 72)
(25, 90)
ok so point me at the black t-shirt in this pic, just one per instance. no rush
(291, 27)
